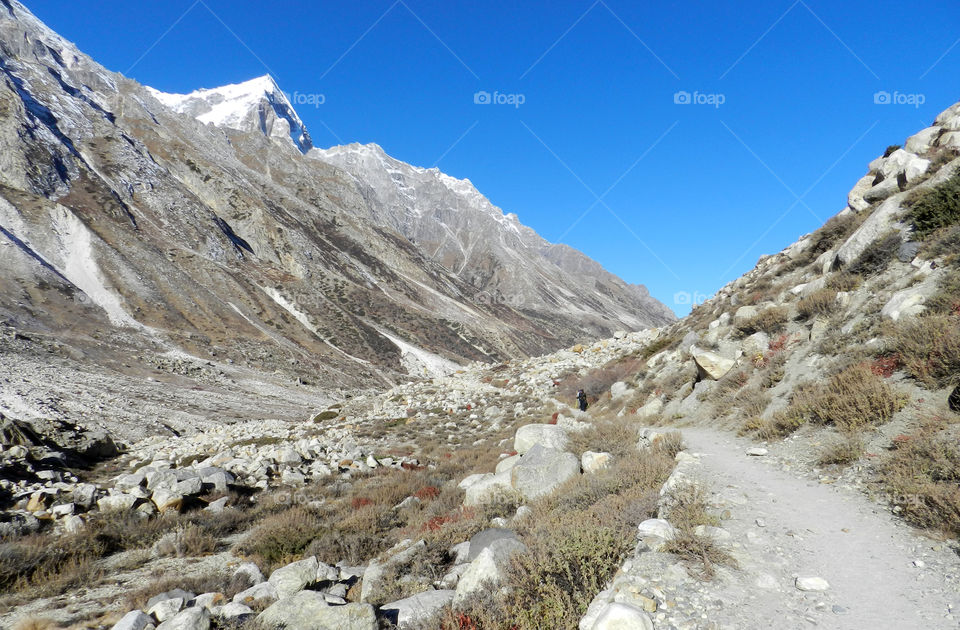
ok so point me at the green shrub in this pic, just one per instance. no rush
(935, 208)
(877, 255)
(890, 149)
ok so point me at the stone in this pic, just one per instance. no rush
(257, 592)
(647, 437)
(133, 480)
(921, 141)
(308, 610)
(656, 527)
(507, 463)
(619, 390)
(166, 499)
(756, 451)
(196, 618)
(327, 573)
(401, 553)
(460, 552)
(489, 488)
(905, 303)
(217, 506)
(882, 190)
(592, 462)
(177, 593)
(877, 224)
(487, 568)
(133, 620)
(651, 409)
(485, 538)
(413, 612)
(85, 495)
(116, 502)
(208, 600)
(541, 470)
(855, 200)
(97, 445)
(743, 314)
(711, 365)
(234, 610)
(287, 456)
(73, 524)
(812, 584)
(294, 577)
(620, 616)
(546, 435)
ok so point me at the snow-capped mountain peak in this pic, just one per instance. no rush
(255, 104)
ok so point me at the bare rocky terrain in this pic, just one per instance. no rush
(245, 384)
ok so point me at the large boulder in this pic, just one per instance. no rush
(400, 554)
(877, 224)
(619, 390)
(294, 577)
(711, 365)
(489, 488)
(486, 538)
(548, 435)
(542, 470)
(133, 620)
(487, 569)
(905, 303)
(308, 610)
(592, 462)
(413, 612)
(196, 618)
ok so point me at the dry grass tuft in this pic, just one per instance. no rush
(922, 477)
(818, 304)
(689, 508)
(841, 451)
(770, 320)
(929, 348)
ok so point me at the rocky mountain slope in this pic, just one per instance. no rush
(146, 235)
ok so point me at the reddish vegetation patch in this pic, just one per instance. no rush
(556, 415)
(427, 493)
(437, 522)
(901, 440)
(779, 344)
(410, 466)
(359, 502)
(885, 366)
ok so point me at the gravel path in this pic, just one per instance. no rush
(881, 572)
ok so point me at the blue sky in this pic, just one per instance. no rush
(682, 197)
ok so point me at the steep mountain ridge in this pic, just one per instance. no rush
(133, 232)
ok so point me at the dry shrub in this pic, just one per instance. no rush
(752, 401)
(282, 538)
(212, 582)
(929, 348)
(818, 303)
(877, 255)
(946, 301)
(569, 559)
(850, 400)
(688, 507)
(617, 436)
(841, 451)
(835, 231)
(189, 540)
(597, 381)
(770, 320)
(659, 344)
(921, 475)
(844, 281)
(34, 623)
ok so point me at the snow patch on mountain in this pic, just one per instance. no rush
(257, 103)
(420, 362)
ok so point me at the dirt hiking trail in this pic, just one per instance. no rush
(881, 572)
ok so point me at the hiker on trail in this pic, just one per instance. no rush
(582, 399)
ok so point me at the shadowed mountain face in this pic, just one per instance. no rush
(205, 225)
